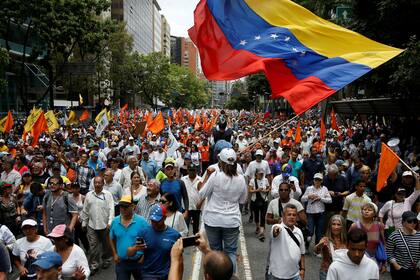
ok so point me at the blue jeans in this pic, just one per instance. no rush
(322, 275)
(125, 268)
(316, 225)
(224, 239)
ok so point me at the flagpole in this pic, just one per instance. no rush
(271, 132)
(403, 162)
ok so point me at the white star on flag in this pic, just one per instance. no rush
(295, 49)
(274, 36)
(257, 37)
(243, 43)
(287, 39)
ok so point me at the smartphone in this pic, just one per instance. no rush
(140, 240)
(189, 241)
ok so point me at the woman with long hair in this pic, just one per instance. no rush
(335, 239)
(174, 218)
(75, 264)
(224, 191)
(136, 189)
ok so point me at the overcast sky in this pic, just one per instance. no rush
(180, 15)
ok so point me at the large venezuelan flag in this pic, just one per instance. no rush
(305, 58)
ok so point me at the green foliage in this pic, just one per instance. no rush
(257, 84)
(4, 61)
(239, 87)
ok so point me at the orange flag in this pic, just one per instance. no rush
(158, 124)
(169, 121)
(39, 127)
(322, 130)
(334, 121)
(298, 134)
(190, 118)
(9, 122)
(84, 116)
(149, 118)
(289, 133)
(125, 107)
(387, 164)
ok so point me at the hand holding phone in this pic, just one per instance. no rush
(189, 241)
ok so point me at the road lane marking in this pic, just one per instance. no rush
(244, 252)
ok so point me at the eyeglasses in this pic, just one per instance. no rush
(54, 184)
(163, 201)
(411, 222)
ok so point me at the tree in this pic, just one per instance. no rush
(239, 102)
(4, 61)
(239, 87)
(150, 75)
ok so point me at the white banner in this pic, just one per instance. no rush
(102, 124)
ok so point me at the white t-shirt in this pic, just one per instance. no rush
(76, 258)
(192, 191)
(177, 222)
(262, 184)
(292, 179)
(158, 157)
(29, 251)
(273, 206)
(252, 168)
(284, 253)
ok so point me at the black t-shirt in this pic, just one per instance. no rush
(4, 259)
(225, 135)
(340, 184)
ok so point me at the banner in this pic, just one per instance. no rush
(140, 127)
(99, 116)
(52, 122)
(102, 124)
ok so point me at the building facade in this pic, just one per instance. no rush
(157, 28)
(166, 37)
(184, 53)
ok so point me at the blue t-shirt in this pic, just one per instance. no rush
(157, 256)
(126, 237)
(173, 187)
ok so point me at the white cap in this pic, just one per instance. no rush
(407, 173)
(2, 141)
(318, 176)
(131, 138)
(29, 222)
(259, 152)
(228, 156)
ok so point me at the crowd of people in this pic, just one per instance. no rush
(78, 201)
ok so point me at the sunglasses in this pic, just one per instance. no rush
(414, 221)
(163, 201)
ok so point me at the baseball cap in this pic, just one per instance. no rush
(48, 260)
(125, 200)
(407, 173)
(169, 161)
(130, 138)
(26, 174)
(2, 141)
(187, 156)
(401, 190)
(259, 152)
(157, 212)
(228, 156)
(259, 170)
(220, 145)
(286, 169)
(318, 176)
(50, 158)
(59, 231)
(29, 222)
(339, 162)
(409, 216)
(94, 153)
(56, 166)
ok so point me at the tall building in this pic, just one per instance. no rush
(157, 27)
(139, 16)
(184, 53)
(220, 93)
(166, 37)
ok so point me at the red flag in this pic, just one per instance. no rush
(334, 121)
(125, 107)
(9, 122)
(298, 134)
(387, 164)
(157, 125)
(169, 121)
(322, 130)
(39, 127)
(84, 116)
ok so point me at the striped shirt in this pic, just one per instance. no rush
(143, 206)
(396, 249)
(353, 204)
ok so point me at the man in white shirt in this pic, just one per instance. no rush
(287, 248)
(242, 142)
(195, 202)
(258, 163)
(158, 155)
(97, 216)
(131, 147)
(353, 263)
(286, 176)
(9, 175)
(112, 186)
(133, 165)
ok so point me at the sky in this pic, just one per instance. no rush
(180, 15)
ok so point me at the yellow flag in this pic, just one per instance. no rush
(99, 116)
(52, 122)
(2, 123)
(32, 118)
(72, 119)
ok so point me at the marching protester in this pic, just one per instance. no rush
(146, 201)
